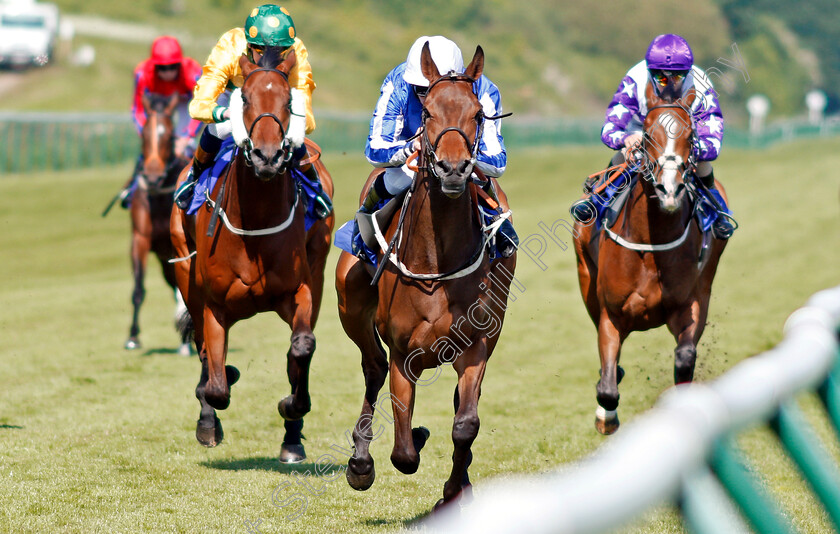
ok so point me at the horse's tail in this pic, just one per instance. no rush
(184, 324)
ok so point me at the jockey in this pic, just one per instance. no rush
(165, 72)
(669, 67)
(397, 118)
(266, 25)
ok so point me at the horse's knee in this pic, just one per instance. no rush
(607, 396)
(303, 345)
(465, 430)
(684, 360)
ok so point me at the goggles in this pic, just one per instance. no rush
(168, 68)
(662, 77)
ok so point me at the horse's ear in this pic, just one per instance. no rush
(427, 65)
(246, 65)
(688, 99)
(650, 96)
(476, 66)
(288, 63)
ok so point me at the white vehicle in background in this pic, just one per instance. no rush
(28, 32)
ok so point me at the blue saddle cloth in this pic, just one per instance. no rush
(207, 181)
(349, 239)
(705, 210)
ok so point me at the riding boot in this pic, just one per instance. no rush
(375, 194)
(584, 210)
(323, 203)
(507, 241)
(722, 228)
(201, 161)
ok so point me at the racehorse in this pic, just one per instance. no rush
(261, 259)
(429, 319)
(654, 266)
(151, 205)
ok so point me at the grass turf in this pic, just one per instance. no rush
(95, 439)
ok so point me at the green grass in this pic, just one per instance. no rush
(97, 439)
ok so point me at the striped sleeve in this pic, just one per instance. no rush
(492, 157)
(385, 145)
(623, 107)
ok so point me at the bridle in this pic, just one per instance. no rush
(157, 188)
(653, 167)
(430, 148)
(285, 144)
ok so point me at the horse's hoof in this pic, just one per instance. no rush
(132, 344)
(287, 410)
(232, 375)
(606, 421)
(212, 436)
(184, 350)
(292, 453)
(419, 436)
(360, 481)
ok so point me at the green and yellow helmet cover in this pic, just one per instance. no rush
(270, 25)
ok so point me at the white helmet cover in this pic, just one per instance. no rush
(446, 55)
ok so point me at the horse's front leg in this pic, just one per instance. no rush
(408, 442)
(609, 349)
(141, 244)
(357, 302)
(686, 326)
(470, 366)
(298, 313)
(208, 430)
(219, 376)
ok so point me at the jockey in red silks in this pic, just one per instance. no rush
(166, 72)
(669, 67)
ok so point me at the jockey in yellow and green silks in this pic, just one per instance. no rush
(266, 25)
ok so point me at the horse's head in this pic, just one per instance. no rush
(158, 147)
(452, 121)
(667, 146)
(266, 110)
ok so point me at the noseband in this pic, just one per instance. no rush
(285, 144)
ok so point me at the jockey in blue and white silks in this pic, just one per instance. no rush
(669, 67)
(398, 117)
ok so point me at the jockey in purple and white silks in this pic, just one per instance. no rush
(669, 67)
(398, 117)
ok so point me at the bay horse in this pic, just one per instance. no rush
(151, 205)
(261, 259)
(646, 271)
(429, 319)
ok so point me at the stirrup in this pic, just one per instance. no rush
(507, 242)
(184, 194)
(723, 227)
(583, 211)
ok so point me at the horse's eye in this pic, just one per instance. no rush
(244, 100)
(479, 116)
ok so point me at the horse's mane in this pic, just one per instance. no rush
(272, 57)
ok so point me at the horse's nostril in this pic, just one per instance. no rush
(445, 167)
(462, 168)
